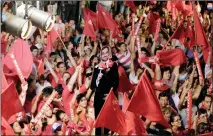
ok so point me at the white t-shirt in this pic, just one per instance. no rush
(106, 3)
(39, 87)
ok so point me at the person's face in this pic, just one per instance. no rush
(41, 82)
(63, 117)
(59, 59)
(83, 102)
(62, 68)
(203, 118)
(176, 122)
(65, 77)
(163, 101)
(143, 54)
(88, 41)
(195, 73)
(207, 102)
(185, 25)
(52, 58)
(38, 39)
(88, 52)
(70, 46)
(32, 85)
(17, 128)
(123, 48)
(95, 61)
(57, 18)
(103, 38)
(105, 54)
(48, 112)
(167, 115)
(35, 52)
(166, 75)
(128, 29)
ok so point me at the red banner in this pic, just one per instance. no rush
(189, 109)
(198, 65)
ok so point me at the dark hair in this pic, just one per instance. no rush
(47, 91)
(165, 69)
(120, 43)
(208, 96)
(59, 63)
(173, 115)
(30, 80)
(33, 48)
(58, 113)
(201, 111)
(41, 77)
(145, 50)
(79, 97)
(163, 94)
(157, 48)
(52, 53)
(59, 88)
(79, 29)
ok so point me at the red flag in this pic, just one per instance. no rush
(105, 19)
(171, 6)
(41, 67)
(6, 128)
(124, 83)
(188, 10)
(131, 5)
(93, 17)
(22, 55)
(172, 57)
(51, 38)
(189, 109)
(144, 102)
(10, 102)
(153, 18)
(200, 36)
(88, 28)
(189, 35)
(3, 81)
(111, 116)
(135, 124)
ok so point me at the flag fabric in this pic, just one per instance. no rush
(124, 83)
(153, 19)
(3, 82)
(171, 6)
(200, 35)
(41, 67)
(134, 123)
(6, 129)
(10, 102)
(22, 55)
(131, 5)
(190, 42)
(106, 21)
(93, 16)
(51, 38)
(88, 28)
(188, 10)
(144, 96)
(111, 116)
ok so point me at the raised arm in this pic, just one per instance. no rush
(94, 50)
(47, 64)
(73, 78)
(72, 60)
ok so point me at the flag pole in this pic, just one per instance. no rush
(61, 41)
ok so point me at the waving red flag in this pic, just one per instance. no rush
(51, 38)
(200, 36)
(144, 102)
(135, 124)
(111, 116)
(124, 83)
(131, 5)
(3, 82)
(93, 17)
(41, 67)
(22, 55)
(10, 102)
(153, 19)
(6, 129)
(88, 28)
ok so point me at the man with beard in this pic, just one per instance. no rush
(104, 78)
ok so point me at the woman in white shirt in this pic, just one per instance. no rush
(41, 84)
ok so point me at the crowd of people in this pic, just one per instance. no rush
(79, 73)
